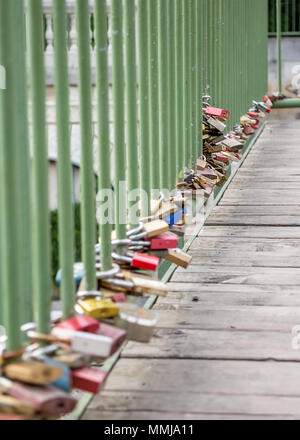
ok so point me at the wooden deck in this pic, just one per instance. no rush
(222, 349)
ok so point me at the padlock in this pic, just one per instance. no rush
(78, 273)
(245, 120)
(231, 156)
(138, 260)
(10, 405)
(178, 257)
(64, 381)
(209, 173)
(88, 379)
(218, 112)
(80, 323)
(201, 163)
(114, 296)
(33, 373)
(220, 158)
(95, 306)
(46, 399)
(72, 359)
(166, 210)
(138, 322)
(232, 142)
(217, 124)
(144, 285)
(254, 115)
(166, 240)
(91, 344)
(248, 130)
(117, 335)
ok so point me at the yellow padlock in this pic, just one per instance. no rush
(203, 127)
(99, 308)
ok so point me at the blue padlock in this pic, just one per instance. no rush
(175, 217)
(78, 271)
(64, 382)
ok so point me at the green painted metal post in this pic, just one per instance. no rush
(179, 83)
(171, 93)
(40, 206)
(88, 223)
(163, 93)
(118, 105)
(102, 83)
(65, 206)
(199, 78)
(131, 108)
(144, 105)
(279, 60)
(153, 93)
(193, 84)
(25, 239)
(12, 122)
(186, 83)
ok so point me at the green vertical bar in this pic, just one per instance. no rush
(65, 207)
(25, 240)
(12, 119)
(153, 93)
(131, 107)
(199, 89)
(88, 227)
(279, 66)
(172, 96)
(144, 104)
(193, 84)
(40, 218)
(102, 89)
(179, 83)
(118, 104)
(163, 93)
(186, 84)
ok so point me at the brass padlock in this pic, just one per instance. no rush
(93, 304)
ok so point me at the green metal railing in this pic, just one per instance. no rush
(290, 18)
(161, 67)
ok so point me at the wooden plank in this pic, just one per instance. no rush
(257, 196)
(239, 275)
(257, 232)
(154, 415)
(199, 316)
(256, 210)
(215, 344)
(251, 244)
(205, 376)
(245, 259)
(195, 403)
(230, 294)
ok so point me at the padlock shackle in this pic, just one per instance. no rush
(100, 275)
(136, 230)
(123, 258)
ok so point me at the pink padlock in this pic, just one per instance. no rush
(217, 112)
(167, 240)
(117, 335)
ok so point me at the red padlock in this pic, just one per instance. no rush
(218, 112)
(253, 115)
(144, 261)
(118, 297)
(167, 240)
(220, 157)
(248, 129)
(88, 379)
(80, 323)
(138, 260)
(118, 335)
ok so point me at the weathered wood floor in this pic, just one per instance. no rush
(222, 349)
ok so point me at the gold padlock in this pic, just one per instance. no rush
(98, 308)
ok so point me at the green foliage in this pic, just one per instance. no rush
(55, 238)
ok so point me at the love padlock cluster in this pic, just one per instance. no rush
(37, 381)
(220, 150)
